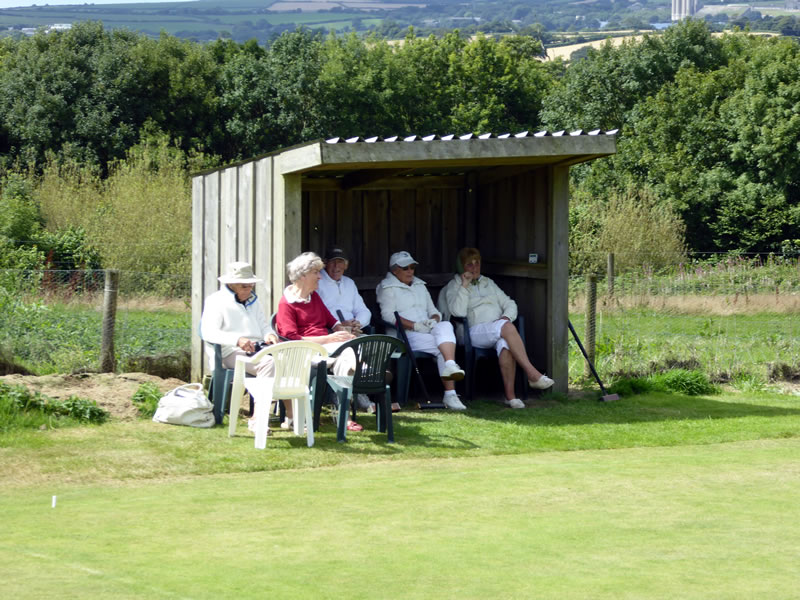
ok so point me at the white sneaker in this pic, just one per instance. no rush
(453, 372)
(251, 425)
(453, 403)
(542, 383)
(515, 403)
(287, 424)
(363, 403)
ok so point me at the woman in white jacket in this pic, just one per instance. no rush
(233, 317)
(401, 291)
(490, 313)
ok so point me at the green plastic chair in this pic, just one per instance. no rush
(373, 353)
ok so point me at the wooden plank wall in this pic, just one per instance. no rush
(373, 224)
(232, 220)
(513, 218)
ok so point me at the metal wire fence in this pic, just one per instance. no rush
(52, 322)
(734, 318)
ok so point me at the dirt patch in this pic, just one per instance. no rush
(111, 391)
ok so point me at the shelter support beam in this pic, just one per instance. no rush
(557, 285)
(287, 234)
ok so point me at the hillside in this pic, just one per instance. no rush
(241, 20)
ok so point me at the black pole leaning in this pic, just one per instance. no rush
(606, 396)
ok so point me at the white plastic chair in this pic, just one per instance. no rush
(292, 371)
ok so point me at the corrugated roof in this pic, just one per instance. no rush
(341, 154)
(467, 136)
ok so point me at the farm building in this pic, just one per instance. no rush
(506, 195)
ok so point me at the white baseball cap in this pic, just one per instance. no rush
(401, 259)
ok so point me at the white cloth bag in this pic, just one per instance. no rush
(185, 405)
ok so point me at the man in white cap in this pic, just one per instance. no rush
(340, 294)
(401, 291)
(234, 318)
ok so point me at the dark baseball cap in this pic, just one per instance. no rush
(335, 252)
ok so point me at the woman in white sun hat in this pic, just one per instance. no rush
(234, 318)
(401, 291)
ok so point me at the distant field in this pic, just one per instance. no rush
(566, 51)
(320, 5)
(172, 18)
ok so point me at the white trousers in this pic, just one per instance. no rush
(265, 368)
(342, 364)
(429, 342)
(486, 335)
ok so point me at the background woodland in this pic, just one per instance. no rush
(100, 131)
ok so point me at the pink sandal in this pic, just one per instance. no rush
(353, 426)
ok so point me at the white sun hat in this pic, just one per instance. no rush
(239, 272)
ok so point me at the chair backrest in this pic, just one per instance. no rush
(292, 366)
(273, 322)
(373, 353)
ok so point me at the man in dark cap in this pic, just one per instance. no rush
(339, 293)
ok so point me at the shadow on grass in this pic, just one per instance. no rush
(656, 406)
(409, 430)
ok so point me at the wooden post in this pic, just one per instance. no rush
(610, 274)
(107, 360)
(591, 312)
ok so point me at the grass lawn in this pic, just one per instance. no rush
(682, 522)
(725, 347)
(657, 496)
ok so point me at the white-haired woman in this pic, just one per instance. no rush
(303, 316)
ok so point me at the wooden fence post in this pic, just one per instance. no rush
(610, 274)
(591, 312)
(107, 360)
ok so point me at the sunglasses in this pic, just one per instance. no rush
(409, 268)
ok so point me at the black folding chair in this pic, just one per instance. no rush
(472, 354)
(408, 362)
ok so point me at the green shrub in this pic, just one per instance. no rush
(631, 386)
(21, 408)
(633, 224)
(139, 217)
(683, 381)
(20, 217)
(146, 398)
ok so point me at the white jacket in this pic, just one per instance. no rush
(481, 302)
(343, 295)
(413, 302)
(225, 320)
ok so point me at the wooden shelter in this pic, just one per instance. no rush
(507, 195)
